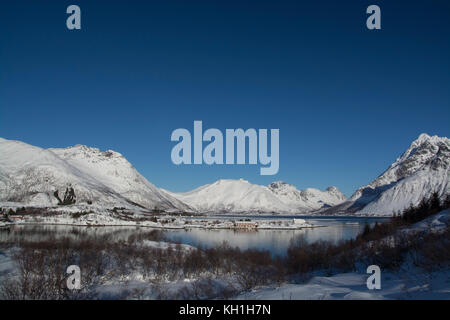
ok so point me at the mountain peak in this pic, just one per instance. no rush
(423, 136)
(426, 138)
(230, 181)
(80, 150)
(419, 171)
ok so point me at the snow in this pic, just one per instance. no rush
(103, 180)
(410, 190)
(409, 282)
(352, 286)
(114, 171)
(233, 196)
(237, 196)
(30, 175)
(67, 217)
(165, 245)
(421, 170)
(306, 200)
(435, 223)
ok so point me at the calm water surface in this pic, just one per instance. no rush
(276, 241)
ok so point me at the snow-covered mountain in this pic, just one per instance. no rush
(236, 196)
(233, 196)
(309, 199)
(30, 176)
(421, 170)
(113, 170)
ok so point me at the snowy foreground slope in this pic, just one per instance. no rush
(414, 284)
(421, 170)
(409, 281)
(30, 176)
(242, 196)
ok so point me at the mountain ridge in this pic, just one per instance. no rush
(31, 175)
(421, 170)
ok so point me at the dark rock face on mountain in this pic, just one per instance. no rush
(69, 197)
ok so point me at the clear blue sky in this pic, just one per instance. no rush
(348, 101)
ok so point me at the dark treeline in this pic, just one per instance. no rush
(409, 216)
(380, 244)
(426, 208)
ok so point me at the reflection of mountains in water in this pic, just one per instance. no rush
(275, 241)
(238, 230)
(4, 233)
(38, 233)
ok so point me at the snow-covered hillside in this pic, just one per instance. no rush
(234, 196)
(113, 170)
(421, 170)
(30, 176)
(309, 199)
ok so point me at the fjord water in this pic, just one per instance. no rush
(331, 229)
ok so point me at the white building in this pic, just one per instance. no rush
(299, 221)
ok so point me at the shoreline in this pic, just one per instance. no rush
(159, 227)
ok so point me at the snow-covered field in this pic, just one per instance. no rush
(403, 285)
(406, 282)
(411, 284)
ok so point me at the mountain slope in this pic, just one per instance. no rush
(113, 170)
(421, 170)
(229, 196)
(306, 200)
(236, 196)
(30, 176)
